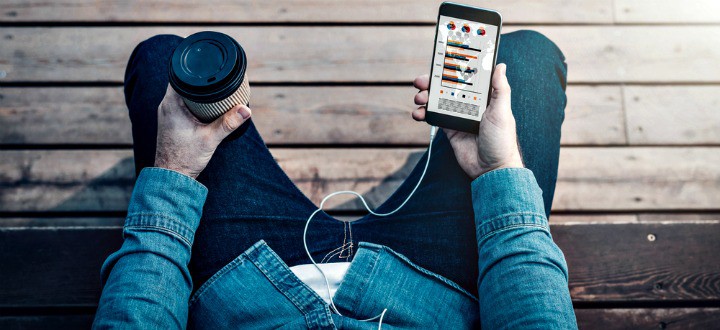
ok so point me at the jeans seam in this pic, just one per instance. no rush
(139, 216)
(444, 280)
(160, 229)
(513, 226)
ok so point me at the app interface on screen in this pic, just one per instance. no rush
(462, 66)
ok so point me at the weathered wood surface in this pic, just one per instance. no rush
(595, 54)
(638, 179)
(588, 319)
(249, 11)
(648, 318)
(597, 179)
(44, 322)
(54, 266)
(667, 11)
(663, 115)
(630, 84)
(673, 114)
(329, 115)
(60, 266)
(366, 11)
(622, 262)
(556, 219)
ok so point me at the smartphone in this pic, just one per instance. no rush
(466, 44)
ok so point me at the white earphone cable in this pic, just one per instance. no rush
(433, 131)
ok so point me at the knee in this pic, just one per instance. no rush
(154, 47)
(534, 43)
(533, 55)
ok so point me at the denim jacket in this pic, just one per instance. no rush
(523, 281)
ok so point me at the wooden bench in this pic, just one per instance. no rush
(637, 207)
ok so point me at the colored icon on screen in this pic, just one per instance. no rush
(466, 28)
(481, 31)
(451, 25)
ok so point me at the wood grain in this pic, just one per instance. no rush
(54, 266)
(595, 54)
(278, 11)
(329, 115)
(42, 322)
(667, 11)
(590, 179)
(638, 179)
(658, 270)
(648, 318)
(673, 114)
(622, 262)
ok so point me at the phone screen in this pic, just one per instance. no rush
(462, 66)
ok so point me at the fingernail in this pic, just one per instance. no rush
(244, 112)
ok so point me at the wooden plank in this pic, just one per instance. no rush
(38, 222)
(278, 11)
(590, 179)
(605, 319)
(556, 219)
(593, 116)
(42, 322)
(673, 114)
(330, 115)
(650, 217)
(638, 179)
(595, 54)
(564, 219)
(612, 262)
(648, 318)
(623, 262)
(54, 266)
(667, 11)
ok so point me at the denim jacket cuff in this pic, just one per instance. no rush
(507, 197)
(167, 201)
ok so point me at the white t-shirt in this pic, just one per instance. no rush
(334, 271)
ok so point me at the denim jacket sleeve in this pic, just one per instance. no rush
(523, 278)
(147, 283)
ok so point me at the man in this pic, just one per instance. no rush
(471, 247)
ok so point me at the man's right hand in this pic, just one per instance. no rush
(495, 146)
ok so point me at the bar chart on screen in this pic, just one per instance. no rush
(460, 64)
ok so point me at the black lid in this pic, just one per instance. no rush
(207, 67)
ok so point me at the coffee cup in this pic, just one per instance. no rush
(209, 71)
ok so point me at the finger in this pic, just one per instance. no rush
(230, 121)
(419, 114)
(500, 84)
(421, 98)
(422, 82)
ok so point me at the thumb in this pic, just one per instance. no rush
(230, 121)
(499, 110)
(500, 84)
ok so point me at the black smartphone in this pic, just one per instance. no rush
(466, 44)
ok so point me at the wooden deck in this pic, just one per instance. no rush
(637, 206)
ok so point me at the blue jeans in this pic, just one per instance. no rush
(250, 198)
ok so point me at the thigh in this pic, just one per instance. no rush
(249, 196)
(436, 228)
(537, 74)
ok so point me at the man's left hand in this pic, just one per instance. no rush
(184, 144)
